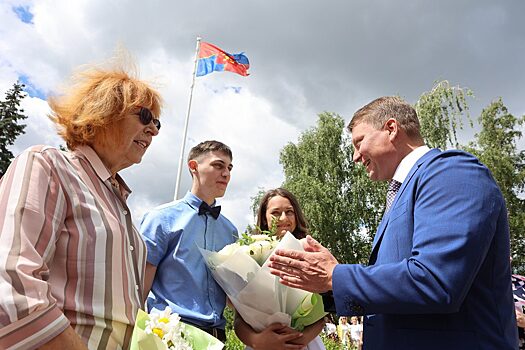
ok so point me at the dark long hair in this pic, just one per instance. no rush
(301, 229)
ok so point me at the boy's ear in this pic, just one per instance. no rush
(192, 165)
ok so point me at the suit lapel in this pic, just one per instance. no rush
(384, 221)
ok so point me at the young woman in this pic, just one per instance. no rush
(356, 332)
(343, 331)
(280, 205)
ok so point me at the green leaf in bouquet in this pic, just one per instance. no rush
(308, 312)
(273, 227)
(272, 231)
(245, 239)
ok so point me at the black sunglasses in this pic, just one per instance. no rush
(146, 117)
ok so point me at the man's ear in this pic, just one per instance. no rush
(392, 126)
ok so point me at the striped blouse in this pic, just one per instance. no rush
(69, 253)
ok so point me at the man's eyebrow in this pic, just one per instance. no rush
(222, 162)
(218, 161)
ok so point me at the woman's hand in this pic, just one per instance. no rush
(274, 337)
(277, 336)
(310, 332)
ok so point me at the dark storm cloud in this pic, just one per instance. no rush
(337, 55)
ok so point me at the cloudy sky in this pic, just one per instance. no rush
(306, 57)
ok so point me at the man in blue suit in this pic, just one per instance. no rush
(439, 271)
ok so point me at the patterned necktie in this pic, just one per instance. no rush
(393, 187)
(205, 208)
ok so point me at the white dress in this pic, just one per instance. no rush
(355, 331)
(316, 344)
(345, 333)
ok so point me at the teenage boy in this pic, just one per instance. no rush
(176, 274)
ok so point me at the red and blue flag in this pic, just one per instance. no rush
(212, 59)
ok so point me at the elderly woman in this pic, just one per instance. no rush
(71, 261)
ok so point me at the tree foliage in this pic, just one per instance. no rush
(496, 146)
(10, 128)
(232, 342)
(341, 205)
(440, 113)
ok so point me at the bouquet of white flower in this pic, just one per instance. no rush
(160, 330)
(257, 246)
(241, 270)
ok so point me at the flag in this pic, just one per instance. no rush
(211, 59)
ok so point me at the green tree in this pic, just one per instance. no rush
(495, 146)
(256, 200)
(232, 342)
(440, 112)
(340, 203)
(10, 128)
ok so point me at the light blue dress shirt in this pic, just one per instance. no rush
(173, 232)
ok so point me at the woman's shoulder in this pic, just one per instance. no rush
(43, 149)
(37, 163)
(45, 155)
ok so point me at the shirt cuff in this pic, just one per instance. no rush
(34, 330)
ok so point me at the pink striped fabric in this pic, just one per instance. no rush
(69, 253)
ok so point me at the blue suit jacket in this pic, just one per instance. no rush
(439, 274)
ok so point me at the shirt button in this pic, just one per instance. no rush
(131, 248)
(125, 212)
(137, 287)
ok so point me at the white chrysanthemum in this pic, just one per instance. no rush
(167, 326)
(180, 344)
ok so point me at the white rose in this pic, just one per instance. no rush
(267, 249)
(246, 249)
(259, 238)
(261, 250)
(229, 249)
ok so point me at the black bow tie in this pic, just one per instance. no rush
(205, 208)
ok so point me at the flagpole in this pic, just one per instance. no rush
(181, 159)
